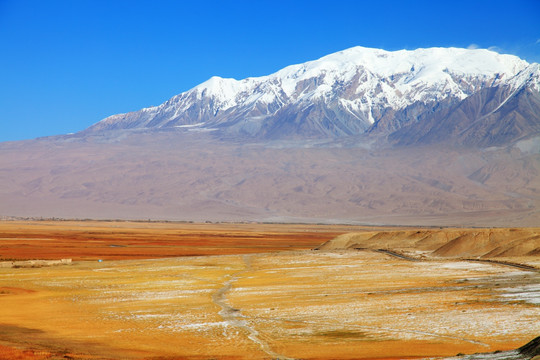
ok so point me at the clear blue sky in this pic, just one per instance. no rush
(67, 64)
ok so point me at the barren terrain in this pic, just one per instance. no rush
(176, 176)
(93, 240)
(265, 296)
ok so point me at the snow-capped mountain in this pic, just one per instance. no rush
(149, 164)
(355, 91)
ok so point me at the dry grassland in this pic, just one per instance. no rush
(340, 304)
(92, 240)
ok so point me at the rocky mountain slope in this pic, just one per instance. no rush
(475, 97)
(493, 116)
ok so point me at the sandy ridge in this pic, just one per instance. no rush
(501, 244)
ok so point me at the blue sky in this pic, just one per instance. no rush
(67, 64)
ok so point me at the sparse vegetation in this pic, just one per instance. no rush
(269, 302)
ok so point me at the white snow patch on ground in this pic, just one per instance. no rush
(465, 265)
(528, 293)
(197, 326)
(189, 125)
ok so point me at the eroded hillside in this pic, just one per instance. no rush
(520, 244)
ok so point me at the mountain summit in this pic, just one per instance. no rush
(422, 95)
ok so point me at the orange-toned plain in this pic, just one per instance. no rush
(90, 240)
(262, 297)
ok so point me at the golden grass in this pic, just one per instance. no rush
(289, 304)
(299, 305)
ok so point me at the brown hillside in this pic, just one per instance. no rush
(456, 243)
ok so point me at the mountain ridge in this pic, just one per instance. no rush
(351, 92)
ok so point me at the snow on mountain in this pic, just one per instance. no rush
(405, 72)
(530, 76)
(344, 93)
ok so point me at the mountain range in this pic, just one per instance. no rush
(472, 97)
(439, 136)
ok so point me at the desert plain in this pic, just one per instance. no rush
(150, 290)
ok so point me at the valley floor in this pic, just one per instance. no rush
(288, 304)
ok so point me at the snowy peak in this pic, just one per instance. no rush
(423, 65)
(387, 63)
(222, 89)
(402, 77)
(345, 93)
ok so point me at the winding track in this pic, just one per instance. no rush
(505, 263)
(395, 254)
(233, 317)
(488, 261)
